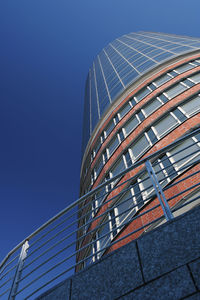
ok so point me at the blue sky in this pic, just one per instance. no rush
(46, 49)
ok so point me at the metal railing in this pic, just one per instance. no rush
(152, 191)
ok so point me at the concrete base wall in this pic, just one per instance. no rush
(162, 264)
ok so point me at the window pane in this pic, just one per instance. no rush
(152, 86)
(113, 145)
(159, 172)
(141, 116)
(124, 110)
(88, 260)
(140, 146)
(189, 150)
(99, 196)
(121, 135)
(125, 207)
(146, 185)
(99, 166)
(184, 68)
(97, 146)
(188, 82)
(175, 90)
(152, 106)
(153, 138)
(179, 115)
(130, 125)
(195, 78)
(109, 128)
(173, 73)
(101, 232)
(141, 94)
(169, 168)
(128, 159)
(165, 125)
(138, 196)
(162, 79)
(119, 167)
(163, 98)
(192, 106)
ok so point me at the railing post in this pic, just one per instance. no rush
(159, 191)
(18, 272)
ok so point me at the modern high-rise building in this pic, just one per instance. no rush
(140, 170)
(142, 94)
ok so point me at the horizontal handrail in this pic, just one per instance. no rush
(99, 219)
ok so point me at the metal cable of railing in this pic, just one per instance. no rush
(103, 249)
(101, 237)
(101, 219)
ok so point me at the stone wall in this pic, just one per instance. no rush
(162, 264)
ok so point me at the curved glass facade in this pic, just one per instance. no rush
(120, 63)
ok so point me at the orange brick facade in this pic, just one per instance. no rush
(138, 226)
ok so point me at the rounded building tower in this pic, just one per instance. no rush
(142, 94)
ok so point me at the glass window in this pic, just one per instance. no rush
(130, 76)
(152, 86)
(195, 78)
(121, 135)
(175, 90)
(109, 128)
(184, 68)
(99, 166)
(153, 138)
(133, 102)
(197, 62)
(140, 146)
(142, 93)
(88, 259)
(113, 223)
(125, 208)
(124, 110)
(97, 147)
(130, 125)
(151, 106)
(192, 106)
(105, 157)
(163, 98)
(138, 197)
(162, 79)
(128, 159)
(168, 167)
(179, 115)
(189, 149)
(173, 73)
(165, 125)
(141, 116)
(160, 171)
(99, 196)
(104, 230)
(188, 82)
(119, 167)
(116, 119)
(146, 185)
(113, 145)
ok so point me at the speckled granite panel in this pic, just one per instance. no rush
(174, 285)
(195, 268)
(193, 297)
(170, 245)
(59, 292)
(115, 275)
